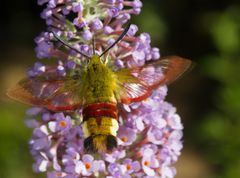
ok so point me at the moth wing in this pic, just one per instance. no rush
(129, 88)
(136, 84)
(162, 72)
(49, 91)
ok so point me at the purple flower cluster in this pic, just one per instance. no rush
(149, 137)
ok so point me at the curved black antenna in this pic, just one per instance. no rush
(118, 39)
(68, 45)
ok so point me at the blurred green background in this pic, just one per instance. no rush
(207, 98)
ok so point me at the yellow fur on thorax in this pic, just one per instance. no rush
(99, 82)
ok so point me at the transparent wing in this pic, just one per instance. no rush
(162, 72)
(136, 84)
(49, 91)
(132, 92)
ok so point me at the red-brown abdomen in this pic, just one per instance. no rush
(99, 110)
(100, 126)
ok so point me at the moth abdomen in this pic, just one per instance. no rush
(100, 126)
(100, 143)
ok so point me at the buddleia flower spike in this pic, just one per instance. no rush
(100, 119)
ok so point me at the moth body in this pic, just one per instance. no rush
(98, 91)
(100, 112)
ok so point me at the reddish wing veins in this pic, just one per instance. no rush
(47, 91)
(136, 84)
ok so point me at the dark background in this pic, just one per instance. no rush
(207, 98)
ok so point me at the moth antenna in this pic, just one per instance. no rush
(68, 45)
(118, 39)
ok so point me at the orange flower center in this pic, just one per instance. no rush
(129, 167)
(58, 174)
(146, 163)
(63, 124)
(124, 139)
(88, 165)
(166, 135)
(80, 20)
